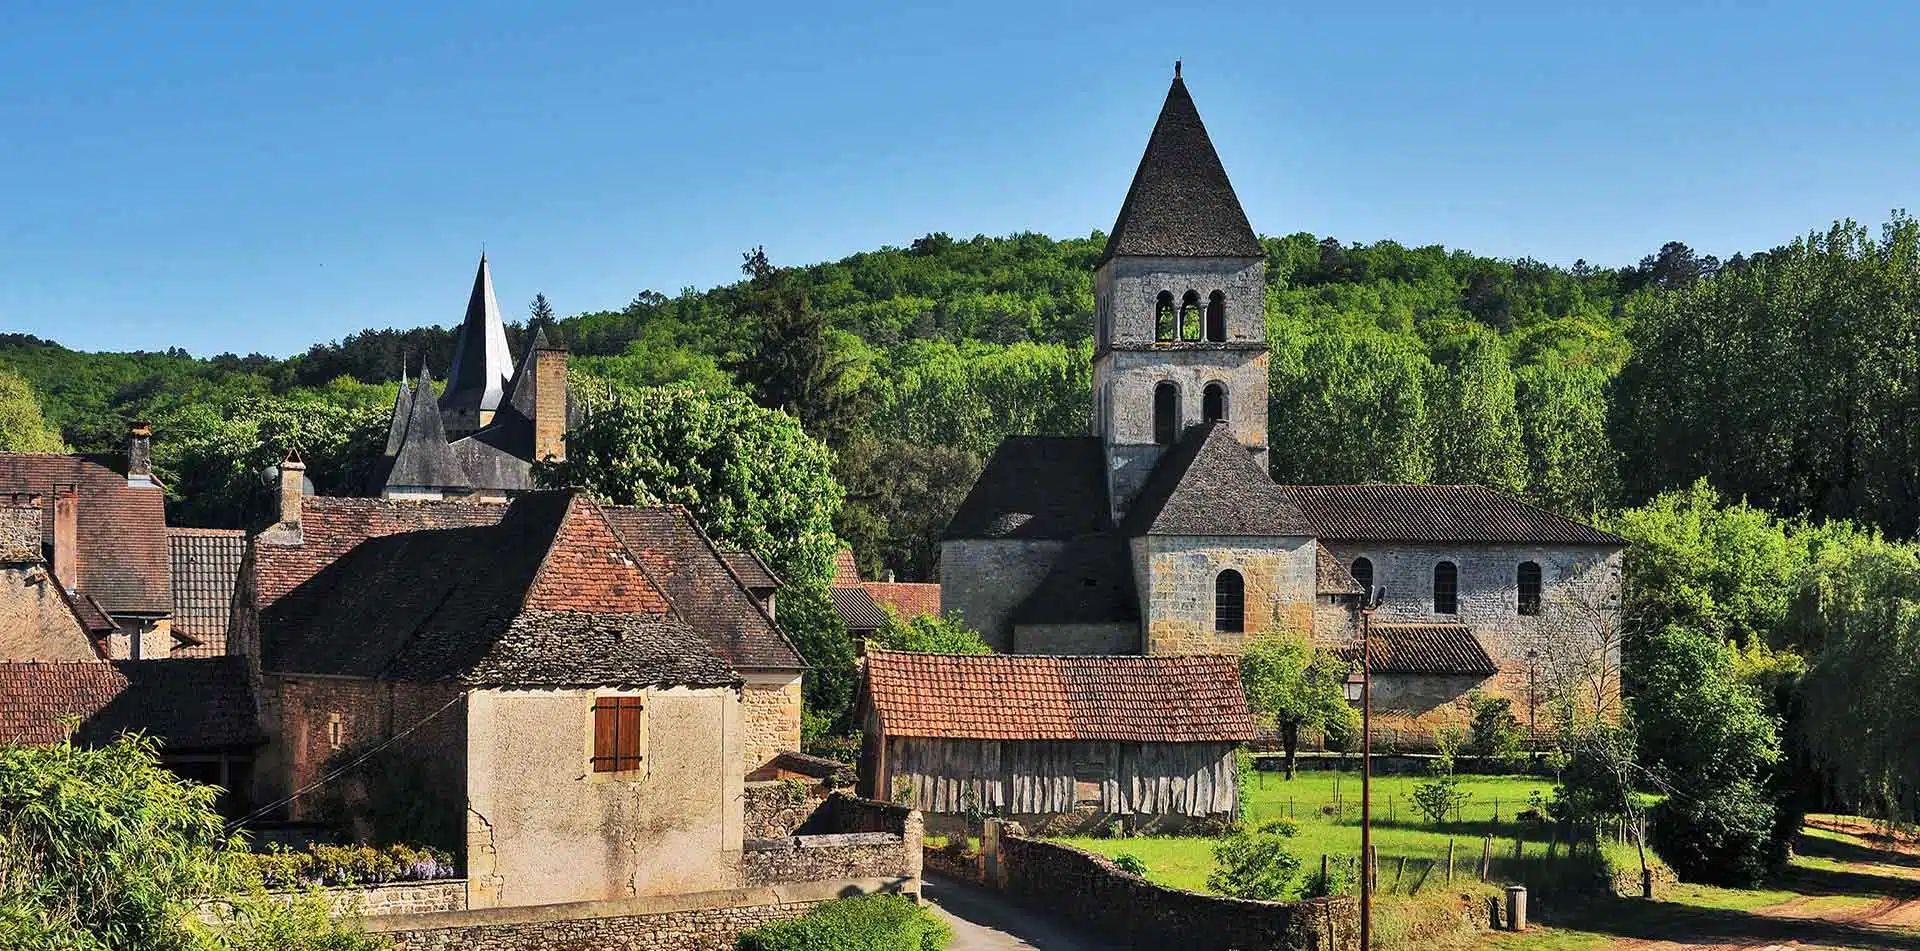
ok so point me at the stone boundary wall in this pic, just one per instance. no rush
(772, 809)
(707, 921)
(1090, 890)
(399, 898)
(813, 858)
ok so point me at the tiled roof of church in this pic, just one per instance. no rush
(1209, 484)
(122, 529)
(198, 704)
(424, 458)
(1037, 487)
(1427, 649)
(692, 574)
(538, 592)
(482, 365)
(1130, 699)
(402, 411)
(1437, 513)
(1091, 583)
(1181, 203)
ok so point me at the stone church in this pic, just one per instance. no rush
(479, 437)
(1162, 532)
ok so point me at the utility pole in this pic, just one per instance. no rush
(1368, 601)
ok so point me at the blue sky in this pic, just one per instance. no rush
(247, 180)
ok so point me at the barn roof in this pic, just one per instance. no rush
(1151, 699)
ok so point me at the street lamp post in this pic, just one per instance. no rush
(1368, 601)
(1533, 738)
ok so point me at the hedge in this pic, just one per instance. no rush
(867, 923)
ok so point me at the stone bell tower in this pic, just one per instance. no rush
(1180, 332)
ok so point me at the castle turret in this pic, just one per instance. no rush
(482, 367)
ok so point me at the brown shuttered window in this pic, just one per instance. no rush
(617, 734)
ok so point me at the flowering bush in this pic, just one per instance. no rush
(280, 867)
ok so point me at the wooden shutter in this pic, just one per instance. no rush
(618, 734)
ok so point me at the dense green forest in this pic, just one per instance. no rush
(1786, 376)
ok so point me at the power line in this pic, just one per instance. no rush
(330, 777)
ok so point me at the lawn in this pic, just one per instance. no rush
(1327, 805)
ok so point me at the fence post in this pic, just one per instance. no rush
(1519, 843)
(1449, 862)
(1323, 871)
(1372, 871)
(1400, 874)
(1496, 810)
(1486, 857)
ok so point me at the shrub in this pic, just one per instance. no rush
(1342, 874)
(1495, 735)
(1253, 865)
(1725, 839)
(1130, 863)
(1282, 826)
(345, 865)
(1438, 797)
(866, 923)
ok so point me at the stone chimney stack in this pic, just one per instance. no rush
(20, 516)
(293, 484)
(140, 455)
(66, 535)
(550, 403)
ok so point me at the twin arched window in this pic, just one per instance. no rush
(1213, 403)
(1229, 602)
(1217, 317)
(1165, 327)
(1166, 412)
(1446, 588)
(1190, 323)
(1527, 580)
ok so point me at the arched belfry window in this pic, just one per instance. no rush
(1217, 317)
(1229, 602)
(1446, 588)
(1166, 412)
(1527, 580)
(1213, 402)
(1190, 317)
(1164, 328)
(1363, 575)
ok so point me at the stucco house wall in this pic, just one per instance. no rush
(542, 827)
(1175, 576)
(984, 580)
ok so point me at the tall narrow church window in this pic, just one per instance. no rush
(1229, 602)
(1446, 588)
(1363, 575)
(1217, 317)
(1190, 317)
(1166, 412)
(1164, 328)
(1528, 581)
(1213, 402)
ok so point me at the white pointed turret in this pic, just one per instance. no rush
(482, 366)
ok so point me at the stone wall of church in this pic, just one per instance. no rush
(1577, 623)
(1119, 638)
(984, 580)
(1176, 576)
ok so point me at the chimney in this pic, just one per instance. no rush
(550, 403)
(20, 516)
(66, 534)
(293, 484)
(140, 455)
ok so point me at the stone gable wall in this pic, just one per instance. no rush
(984, 580)
(771, 809)
(1178, 592)
(771, 708)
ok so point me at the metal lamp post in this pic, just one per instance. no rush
(1368, 602)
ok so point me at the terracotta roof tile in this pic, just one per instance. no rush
(1437, 513)
(1428, 649)
(907, 598)
(122, 548)
(193, 704)
(846, 570)
(697, 582)
(204, 563)
(1151, 699)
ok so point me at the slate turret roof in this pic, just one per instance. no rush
(1181, 203)
(1037, 487)
(482, 366)
(425, 459)
(402, 411)
(1209, 484)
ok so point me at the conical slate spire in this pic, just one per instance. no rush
(481, 364)
(1181, 203)
(425, 460)
(402, 410)
(521, 390)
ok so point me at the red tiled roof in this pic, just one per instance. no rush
(907, 598)
(204, 563)
(1150, 699)
(1428, 649)
(332, 527)
(121, 555)
(680, 558)
(846, 571)
(196, 704)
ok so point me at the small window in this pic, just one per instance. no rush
(336, 732)
(1166, 412)
(1528, 581)
(1363, 575)
(1229, 602)
(1217, 317)
(1213, 402)
(617, 734)
(1190, 317)
(1164, 328)
(1446, 588)
(1088, 777)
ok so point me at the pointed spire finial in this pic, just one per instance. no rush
(1176, 69)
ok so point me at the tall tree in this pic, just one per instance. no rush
(23, 427)
(1476, 420)
(1295, 686)
(793, 364)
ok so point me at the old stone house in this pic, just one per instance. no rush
(1064, 744)
(103, 538)
(569, 695)
(1162, 531)
(478, 438)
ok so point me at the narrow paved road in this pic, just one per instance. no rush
(984, 921)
